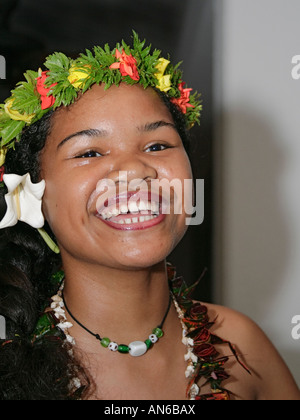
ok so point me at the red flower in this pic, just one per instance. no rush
(126, 65)
(47, 101)
(184, 101)
(2, 169)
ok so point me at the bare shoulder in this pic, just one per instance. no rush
(270, 378)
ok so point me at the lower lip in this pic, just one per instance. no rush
(135, 226)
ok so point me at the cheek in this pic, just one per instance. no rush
(179, 168)
(64, 202)
(180, 176)
(54, 204)
(183, 174)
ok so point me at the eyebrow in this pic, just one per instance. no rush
(156, 125)
(91, 132)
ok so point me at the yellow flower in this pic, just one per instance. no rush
(77, 76)
(15, 115)
(161, 66)
(164, 81)
(2, 156)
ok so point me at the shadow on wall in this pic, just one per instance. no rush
(255, 240)
(258, 266)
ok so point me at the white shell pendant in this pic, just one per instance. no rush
(137, 348)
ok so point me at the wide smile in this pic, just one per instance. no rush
(132, 211)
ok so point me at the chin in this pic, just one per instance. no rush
(137, 262)
(146, 256)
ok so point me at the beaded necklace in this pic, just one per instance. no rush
(204, 363)
(136, 348)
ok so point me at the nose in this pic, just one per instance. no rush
(132, 168)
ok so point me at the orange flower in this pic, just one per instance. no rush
(126, 65)
(184, 101)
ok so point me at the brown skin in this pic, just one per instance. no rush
(116, 281)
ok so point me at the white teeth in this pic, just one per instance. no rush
(133, 208)
(134, 220)
(143, 206)
(154, 207)
(115, 212)
(106, 215)
(123, 209)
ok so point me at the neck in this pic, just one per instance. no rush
(123, 305)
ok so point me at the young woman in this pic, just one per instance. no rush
(113, 118)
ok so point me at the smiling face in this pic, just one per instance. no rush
(125, 135)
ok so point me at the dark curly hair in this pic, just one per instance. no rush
(40, 370)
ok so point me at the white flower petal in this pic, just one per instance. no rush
(13, 180)
(29, 208)
(11, 215)
(37, 190)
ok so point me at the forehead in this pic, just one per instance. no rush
(118, 106)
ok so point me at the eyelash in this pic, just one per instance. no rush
(165, 147)
(89, 152)
(93, 154)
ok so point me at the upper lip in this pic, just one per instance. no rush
(132, 201)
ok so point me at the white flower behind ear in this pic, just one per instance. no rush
(24, 201)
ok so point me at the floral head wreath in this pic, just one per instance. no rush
(64, 80)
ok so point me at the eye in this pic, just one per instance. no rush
(157, 147)
(89, 154)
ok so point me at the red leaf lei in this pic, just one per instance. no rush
(210, 365)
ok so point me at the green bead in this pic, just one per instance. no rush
(105, 342)
(122, 348)
(158, 332)
(148, 344)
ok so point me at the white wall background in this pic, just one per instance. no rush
(257, 151)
